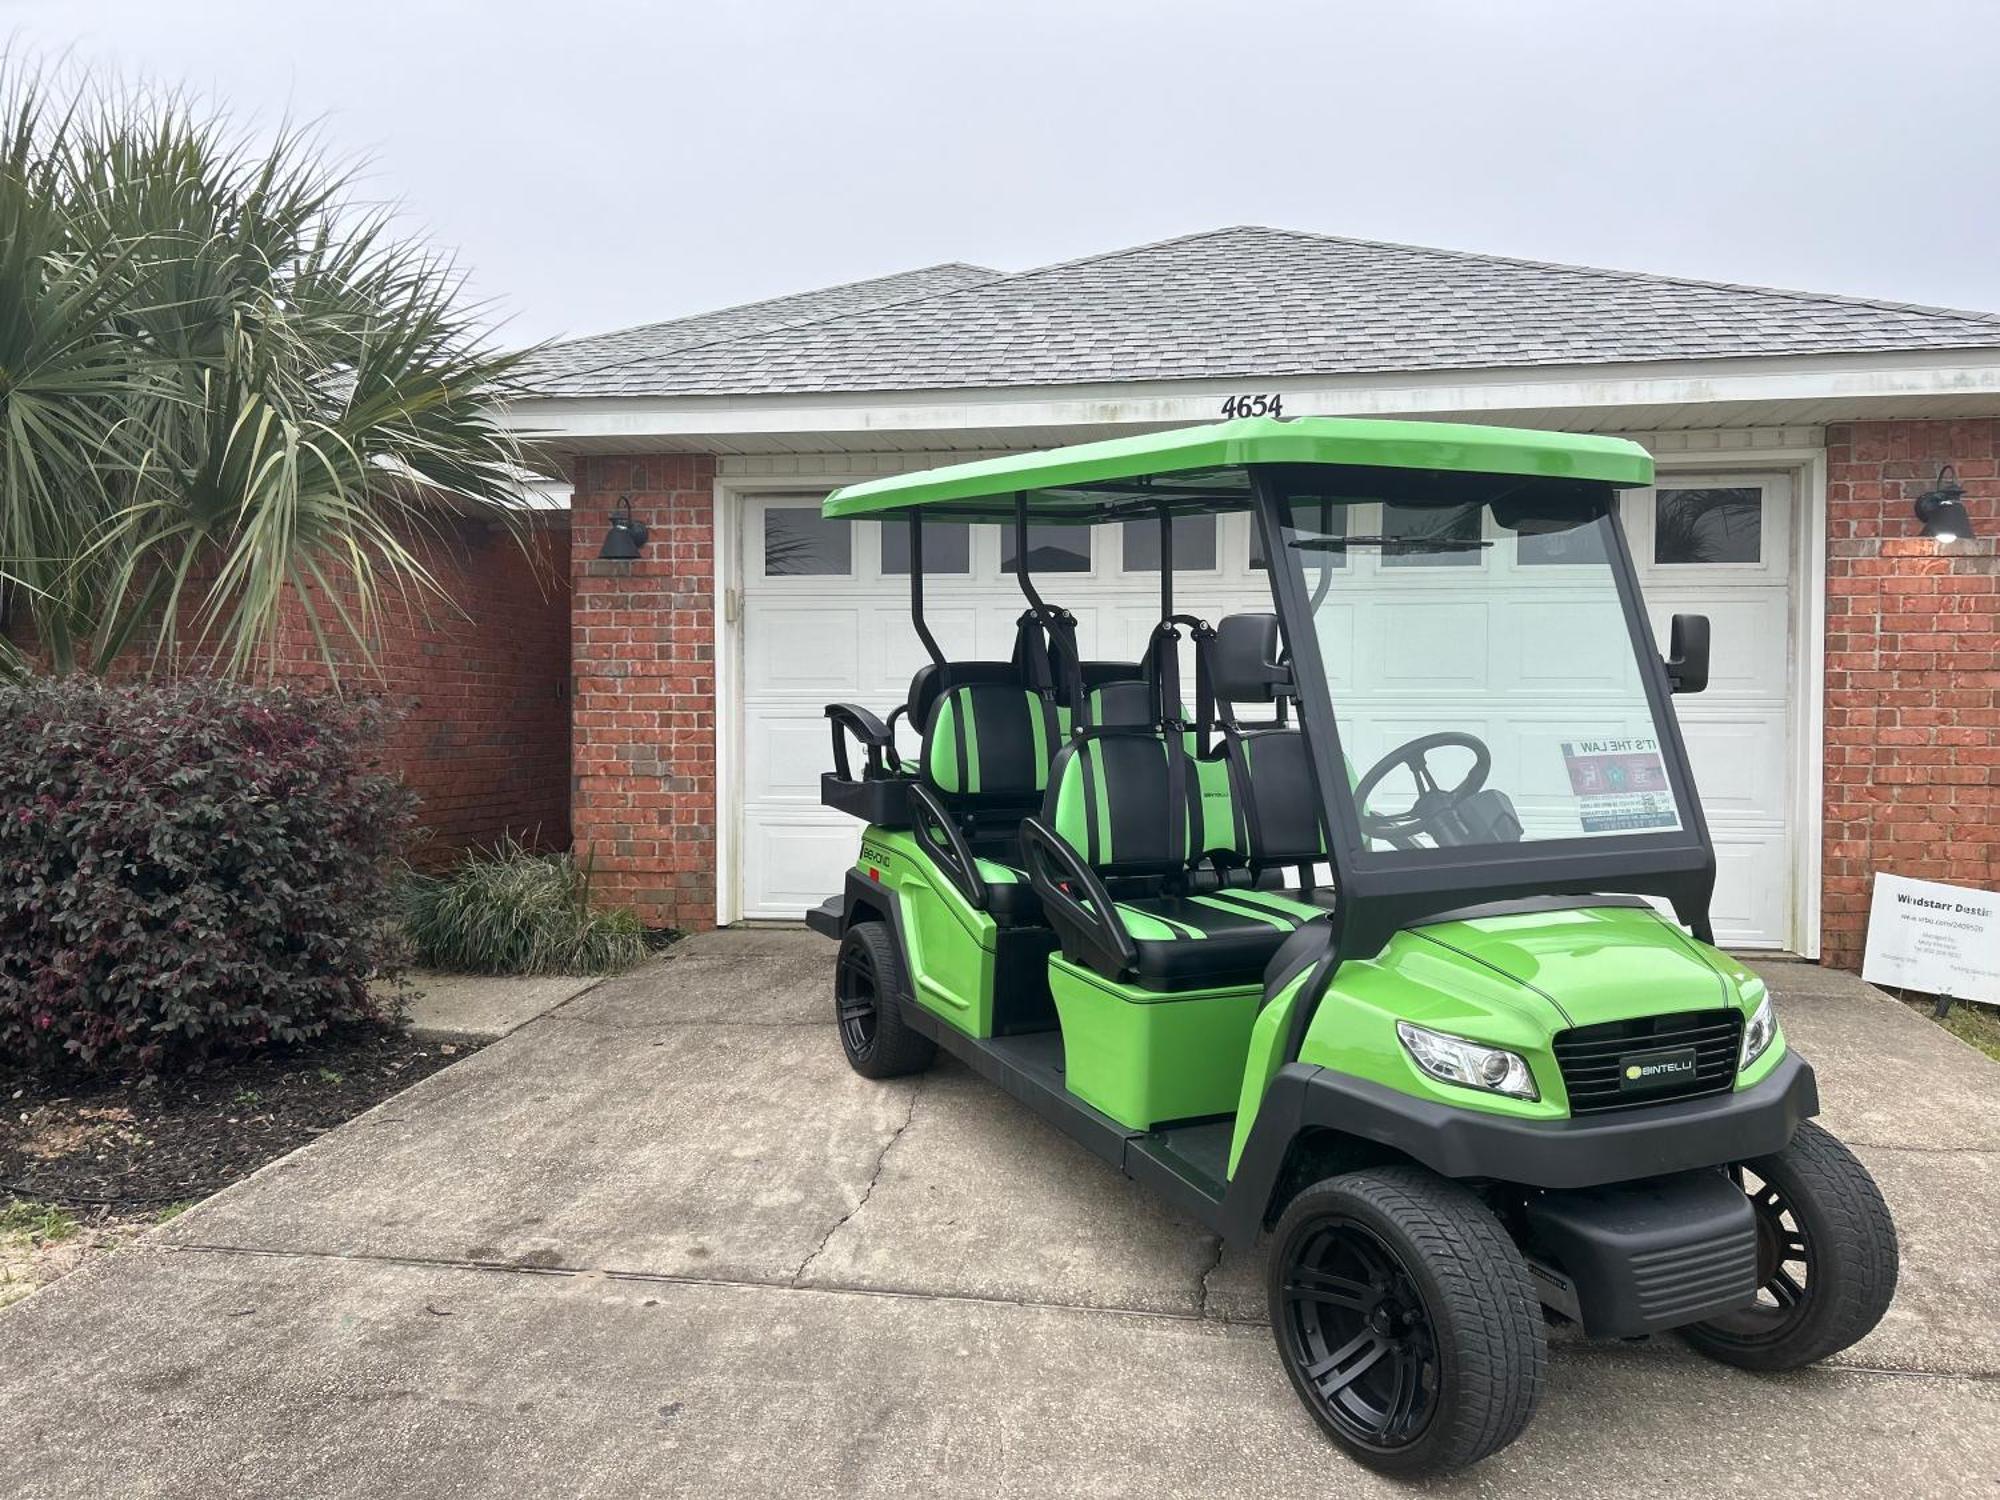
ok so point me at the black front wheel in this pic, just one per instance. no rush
(1826, 1258)
(867, 978)
(1406, 1320)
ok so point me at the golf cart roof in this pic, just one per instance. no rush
(1203, 467)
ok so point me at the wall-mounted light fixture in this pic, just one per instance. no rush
(626, 537)
(1942, 508)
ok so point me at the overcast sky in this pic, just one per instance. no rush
(598, 163)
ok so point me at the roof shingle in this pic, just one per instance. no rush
(1244, 302)
(601, 356)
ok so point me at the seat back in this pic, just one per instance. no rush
(1276, 808)
(988, 744)
(934, 679)
(1131, 801)
(1116, 694)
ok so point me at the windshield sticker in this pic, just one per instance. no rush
(1620, 784)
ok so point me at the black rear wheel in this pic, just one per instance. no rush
(1406, 1320)
(1826, 1258)
(867, 978)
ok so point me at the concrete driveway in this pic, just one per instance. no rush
(662, 1241)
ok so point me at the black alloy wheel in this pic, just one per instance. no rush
(855, 998)
(1827, 1259)
(867, 985)
(1406, 1319)
(1362, 1338)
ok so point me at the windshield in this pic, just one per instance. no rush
(1485, 681)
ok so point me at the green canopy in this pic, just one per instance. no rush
(1205, 465)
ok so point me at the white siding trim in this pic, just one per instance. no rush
(726, 571)
(1470, 393)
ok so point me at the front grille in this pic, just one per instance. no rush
(1589, 1058)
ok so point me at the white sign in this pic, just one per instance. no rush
(1942, 939)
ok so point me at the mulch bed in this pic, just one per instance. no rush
(146, 1143)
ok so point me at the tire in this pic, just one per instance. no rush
(867, 978)
(1421, 1267)
(1817, 1210)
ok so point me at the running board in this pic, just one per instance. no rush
(1186, 1164)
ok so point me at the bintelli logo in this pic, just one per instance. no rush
(1648, 1072)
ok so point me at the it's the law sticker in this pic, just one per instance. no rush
(1620, 784)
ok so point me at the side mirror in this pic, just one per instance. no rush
(1687, 654)
(1246, 665)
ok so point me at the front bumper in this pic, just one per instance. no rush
(1646, 1142)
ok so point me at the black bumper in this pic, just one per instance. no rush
(828, 918)
(1647, 1142)
(1469, 1143)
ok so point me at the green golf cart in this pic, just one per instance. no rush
(1345, 920)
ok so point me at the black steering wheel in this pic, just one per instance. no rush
(1434, 803)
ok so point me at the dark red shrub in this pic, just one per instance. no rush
(188, 869)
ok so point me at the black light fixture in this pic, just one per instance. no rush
(626, 536)
(1942, 509)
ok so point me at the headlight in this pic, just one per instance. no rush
(1452, 1059)
(1757, 1035)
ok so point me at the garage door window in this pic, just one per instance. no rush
(1194, 545)
(947, 547)
(800, 542)
(1051, 548)
(1709, 526)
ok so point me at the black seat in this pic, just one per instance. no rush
(1112, 855)
(1277, 808)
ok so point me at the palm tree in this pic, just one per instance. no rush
(223, 389)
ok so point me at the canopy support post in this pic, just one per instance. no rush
(917, 587)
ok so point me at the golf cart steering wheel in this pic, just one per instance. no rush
(1433, 801)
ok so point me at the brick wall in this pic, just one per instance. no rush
(484, 689)
(643, 772)
(1913, 670)
(484, 737)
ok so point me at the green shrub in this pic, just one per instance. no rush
(189, 869)
(517, 912)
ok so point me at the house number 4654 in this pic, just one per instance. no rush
(1254, 406)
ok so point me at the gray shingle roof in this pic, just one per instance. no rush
(603, 355)
(1253, 303)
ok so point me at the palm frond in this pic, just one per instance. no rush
(232, 396)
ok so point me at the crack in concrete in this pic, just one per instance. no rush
(1855, 1145)
(1563, 1350)
(1201, 1282)
(868, 1191)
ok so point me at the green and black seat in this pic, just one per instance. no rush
(986, 753)
(1128, 817)
(990, 733)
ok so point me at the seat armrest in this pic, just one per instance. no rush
(1076, 903)
(941, 840)
(875, 736)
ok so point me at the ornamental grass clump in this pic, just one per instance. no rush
(513, 911)
(188, 870)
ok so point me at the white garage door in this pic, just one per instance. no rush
(1721, 546)
(826, 618)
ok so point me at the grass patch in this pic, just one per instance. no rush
(1975, 1024)
(25, 1222)
(517, 912)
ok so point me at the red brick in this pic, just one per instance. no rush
(1913, 683)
